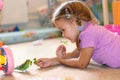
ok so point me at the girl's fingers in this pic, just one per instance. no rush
(41, 64)
(44, 65)
(64, 48)
(61, 51)
(59, 48)
(37, 61)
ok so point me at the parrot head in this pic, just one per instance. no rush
(29, 62)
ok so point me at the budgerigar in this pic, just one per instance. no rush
(24, 66)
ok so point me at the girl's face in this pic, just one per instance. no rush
(68, 28)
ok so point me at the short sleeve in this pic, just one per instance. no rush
(88, 39)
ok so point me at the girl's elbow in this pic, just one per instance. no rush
(82, 66)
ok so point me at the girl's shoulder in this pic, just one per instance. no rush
(92, 28)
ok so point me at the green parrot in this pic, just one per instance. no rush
(24, 66)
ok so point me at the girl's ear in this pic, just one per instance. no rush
(74, 20)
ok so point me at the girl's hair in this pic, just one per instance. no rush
(74, 9)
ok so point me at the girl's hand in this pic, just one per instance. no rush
(61, 51)
(44, 62)
(47, 62)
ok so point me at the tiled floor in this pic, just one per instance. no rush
(27, 50)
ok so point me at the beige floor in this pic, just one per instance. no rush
(27, 50)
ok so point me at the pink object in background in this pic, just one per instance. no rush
(1, 4)
(9, 67)
(113, 28)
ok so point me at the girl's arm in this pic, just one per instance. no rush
(46, 62)
(74, 54)
(82, 61)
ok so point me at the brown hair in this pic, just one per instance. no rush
(74, 9)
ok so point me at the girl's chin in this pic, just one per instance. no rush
(72, 41)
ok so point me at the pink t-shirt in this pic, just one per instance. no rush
(105, 43)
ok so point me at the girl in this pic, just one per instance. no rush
(79, 25)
